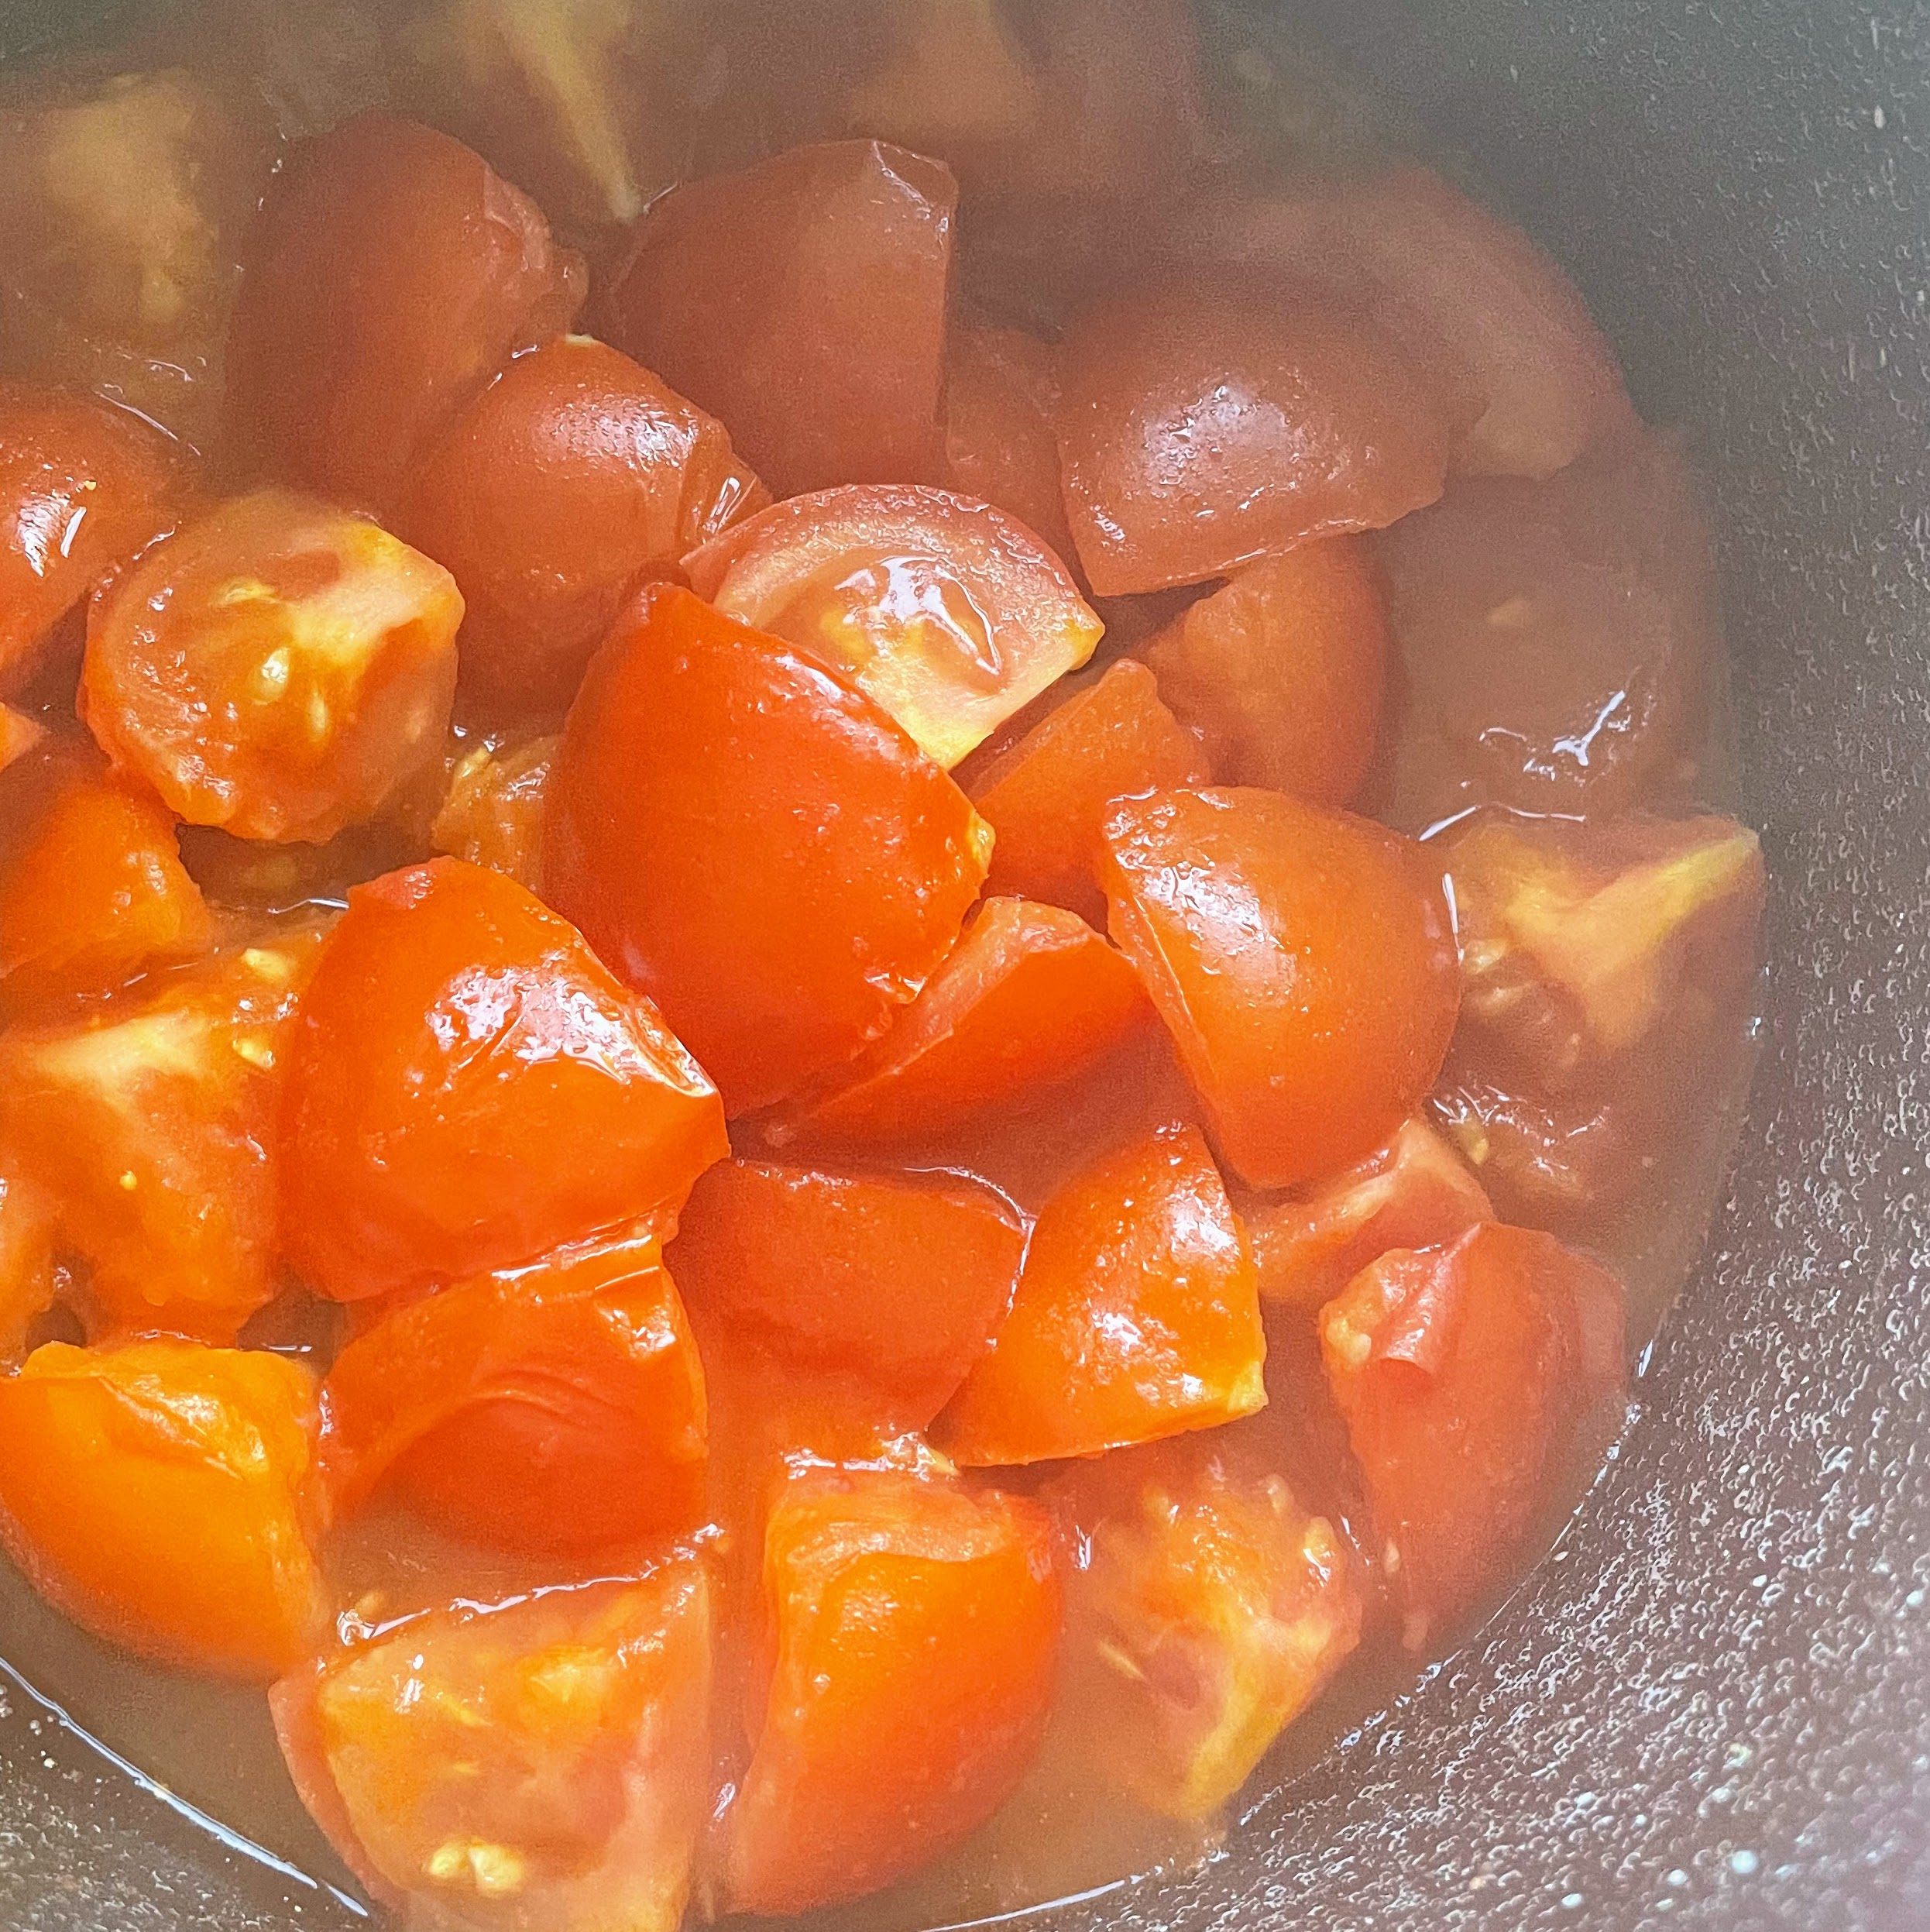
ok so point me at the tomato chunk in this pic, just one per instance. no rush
(749, 840)
(1137, 1316)
(493, 814)
(159, 1494)
(1464, 1373)
(1031, 998)
(573, 475)
(280, 668)
(468, 1088)
(1001, 390)
(1280, 672)
(390, 274)
(149, 1124)
(943, 611)
(913, 1630)
(83, 486)
(896, 1280)
(803, 302)
(26, 1258)
(1046, 797)
(1205, 1609)
(543, 1760)
(1200, 428)
(1302, 960)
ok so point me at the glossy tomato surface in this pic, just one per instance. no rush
(1001, 393)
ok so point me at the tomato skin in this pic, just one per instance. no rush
(541, 1762)
(1030, 997)
(468, 1089)
(1280, 671)
(493, 812)
(748, 840)
(574, 474)
(947, 613)
(913, 1627)
(390, 274)
(158, 1493)
(803, 302)
(1304, 962)
(1202, 426)
(1463, 1372)
(1001, 390)
(279, 669)
(1137, 1316)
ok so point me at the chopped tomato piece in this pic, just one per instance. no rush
(573, 475)
(19, 734)
(1137, 1316)
(803, 302)
(1206, 1608)
(1030, 997)
(912, 1629)
(493, 814)
(149, 1123)
(159, 1494)
(468, 1088)
(1046, 797)
(1569, 1162)
(83, 486)
(558, 1407)
(1415, 1192)
(1001, 388)
(1464, 1373)
(280, 668)
(1555, 639)
(751, 841)
(1202, 426)
(390, 274)
(544, 1761)
(895, 1280)
(944, 612)
(1280, 672)
(1302, 960)
(26, 1258)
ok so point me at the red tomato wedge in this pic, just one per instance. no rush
(159, 1494)
(494, 810)
(1137, 1316)
(1202, 425)
(911, 1632)
(1031, 998)
(1304, 962)
(468, 1088)
(1046, 797)
(803, 302)
(84, 488)
(1002, 390)
(280, 668)
(574, 474)
(390, 274)
(944, 612)
(748, 838)
(556, 1408)
(542, 1761)
(896, 1280)
(1280, 671)
(1464, 1373)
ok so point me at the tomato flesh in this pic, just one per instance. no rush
(27, 1282)
(1001, 391)
(493, 811)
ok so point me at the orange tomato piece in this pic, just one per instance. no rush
(897, 1280)
(1203, 426)
(390, 274)
(26, 1258)
(468, 1089)
(911, 1632)
(543, 1760)
(1030, 997)
(1304, 962)
(1464, 1372)
(751, 841)
(1046, 797)
(574, 474)
(558, 1407)
(1280, 671)
(803, 302)
(944, 612)
(1137, 1316)
(158, 1494)
(492, 813)
(1001, 388)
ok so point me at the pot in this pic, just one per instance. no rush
(1712, 1705)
